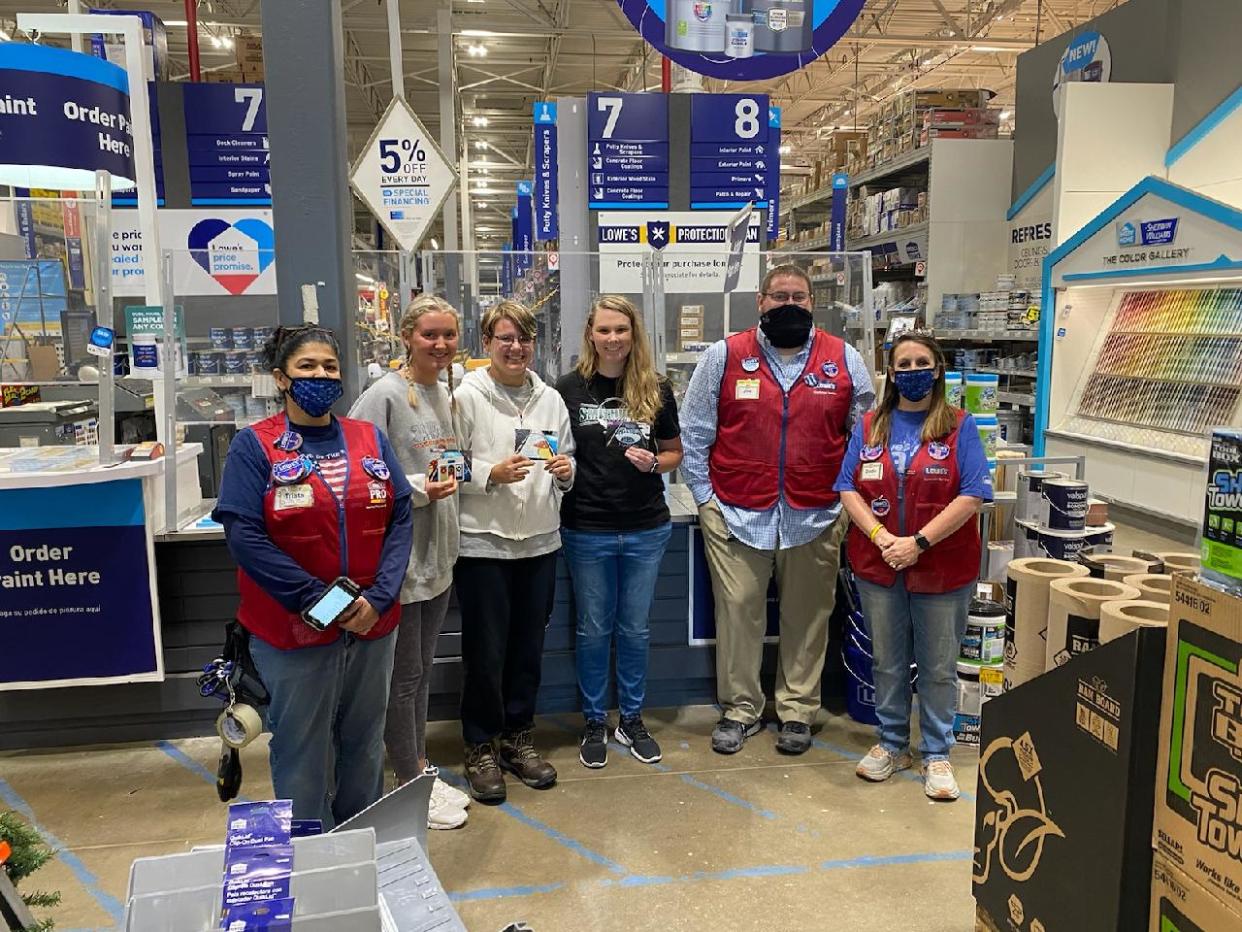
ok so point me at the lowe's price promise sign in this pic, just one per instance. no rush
(77, 593)
(402, 175)
(63, 116)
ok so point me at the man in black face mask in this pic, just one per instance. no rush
(765, 423)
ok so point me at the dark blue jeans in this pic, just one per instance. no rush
(614, 575)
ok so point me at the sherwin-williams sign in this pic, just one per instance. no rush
(742, 40)
(63, 117)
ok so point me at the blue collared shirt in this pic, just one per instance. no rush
(781, 526)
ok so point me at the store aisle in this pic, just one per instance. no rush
(753, 841)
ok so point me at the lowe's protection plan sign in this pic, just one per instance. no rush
(63, 116)
(402, 175)
(77, 604)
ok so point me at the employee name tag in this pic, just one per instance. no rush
(294, 496)
(873, 471)
(746, 390)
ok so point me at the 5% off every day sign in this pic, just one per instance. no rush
(402, 176)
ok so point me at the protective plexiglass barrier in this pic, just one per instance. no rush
(382, 289)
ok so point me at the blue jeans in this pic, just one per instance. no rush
(614, 575)
(930, 627)
(327, 722)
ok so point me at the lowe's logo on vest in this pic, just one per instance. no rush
(1147, 232)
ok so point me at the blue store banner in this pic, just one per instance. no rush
(773, 230)
(506, 271)
(25, 222)
(524, 234)
(840, 197)
(627, 151)
(77, 603)
(63, 116)
(546, 224)
(226, 138)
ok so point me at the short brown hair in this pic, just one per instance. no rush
(521, 316)
(787, 268)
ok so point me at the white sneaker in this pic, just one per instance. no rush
(880, 764)
(939, 782)
(449, 795)
(440, 815)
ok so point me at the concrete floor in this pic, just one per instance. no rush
(698, 842)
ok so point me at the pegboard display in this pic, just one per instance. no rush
(1169, 361)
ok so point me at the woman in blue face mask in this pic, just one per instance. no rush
(913, 479)
(307, 498)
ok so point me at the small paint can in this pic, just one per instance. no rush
(243, 338)
(221, 338)
(235, 363)
(984, 640)
(254, 362)
(1030, 493)
(976, 684)
(1063, 504)
(210, 363)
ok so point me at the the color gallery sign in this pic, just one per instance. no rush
(750, 40)
(77, 587)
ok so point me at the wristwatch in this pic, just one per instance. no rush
(655, 464)
(922, 541)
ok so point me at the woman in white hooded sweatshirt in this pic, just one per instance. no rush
(517, 432)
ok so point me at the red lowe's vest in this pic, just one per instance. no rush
(323, 538)
(769, 442)
(932, 482)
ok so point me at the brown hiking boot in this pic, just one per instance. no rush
(487, 784)
(519, 757)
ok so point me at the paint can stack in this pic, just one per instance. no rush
(980, 667)
(1053, 518)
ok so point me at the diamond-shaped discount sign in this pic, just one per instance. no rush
(402, 175)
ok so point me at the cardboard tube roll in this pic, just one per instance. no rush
(1155, 587)
(1115, 566)
(1026, 614)
(1176, 562)
(1074, 615)
(1120, 618)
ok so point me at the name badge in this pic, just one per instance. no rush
(746, 390)
(873, 471)
(378, 492)
(294, 496)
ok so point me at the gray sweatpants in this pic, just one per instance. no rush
(405, 730)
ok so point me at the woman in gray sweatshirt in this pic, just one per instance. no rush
(417, 412)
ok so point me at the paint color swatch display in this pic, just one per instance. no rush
(1172, 361)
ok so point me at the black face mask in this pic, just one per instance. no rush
(787, 326)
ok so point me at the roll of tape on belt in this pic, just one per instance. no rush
(239, 725)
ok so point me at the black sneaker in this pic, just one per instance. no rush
(593, 748)
(728, 736)
(795, 738)
(635, 736)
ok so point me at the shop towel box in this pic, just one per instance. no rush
(1063, 793)
(1198, 813)
(1178, 904)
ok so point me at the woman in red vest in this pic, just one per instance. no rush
(913, 479)
(305, 499)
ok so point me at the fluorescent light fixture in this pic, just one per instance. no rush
(364, 278)
(785, 150)
(993, 48)
(435, 244)
(175, 22)
(1006, 114)
(480, 145)
(227, 41)
(479, 120)
(478, 33)
(476, 51)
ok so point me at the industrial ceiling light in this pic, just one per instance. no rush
(435, 243)
(479, 120)
(785, 150)
(480, 145)
(476, 51)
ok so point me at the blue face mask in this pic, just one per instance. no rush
(914, 384)
(315, 394)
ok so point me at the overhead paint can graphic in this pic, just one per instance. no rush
(697, 25)
(783, 26)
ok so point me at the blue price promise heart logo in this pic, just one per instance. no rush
(234, 254)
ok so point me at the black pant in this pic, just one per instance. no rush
(505, 607)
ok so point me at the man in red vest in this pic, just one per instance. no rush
(765, 423)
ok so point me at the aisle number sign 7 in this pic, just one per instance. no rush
(252, 97)
(612, 106)
(746, 112)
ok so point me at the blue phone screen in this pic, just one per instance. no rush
(330, 606)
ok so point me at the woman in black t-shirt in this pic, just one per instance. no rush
(614, 522)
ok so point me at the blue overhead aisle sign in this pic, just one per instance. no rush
(627, 150)
(226, 137)
(545, 196)
(773, 230)
(732, 158)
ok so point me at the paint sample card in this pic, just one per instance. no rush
(535, 444)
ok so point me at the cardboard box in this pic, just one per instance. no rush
(1180, 905)
(1198, 817)
(1063, 793)
(1221, 532)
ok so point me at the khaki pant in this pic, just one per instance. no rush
(806, 578)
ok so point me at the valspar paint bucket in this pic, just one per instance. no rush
(1100, 535)
(1025, 539)
(696, 25)
(975, 686)
(1057, 544)
(784, 26)
(1064, 504)
(1030, 493)
(984, 640)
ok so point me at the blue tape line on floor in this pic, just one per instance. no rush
(887, 860)
(500, 893)
(107, 902)
(543, 828)
(192, 765)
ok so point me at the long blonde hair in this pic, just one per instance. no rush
(941, 416)
(639, 383)
(425, 304)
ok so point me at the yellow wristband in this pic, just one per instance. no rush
(874, 531)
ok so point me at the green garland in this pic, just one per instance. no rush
(29, 854)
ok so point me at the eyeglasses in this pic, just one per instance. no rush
(509, 340)
(788, 297)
